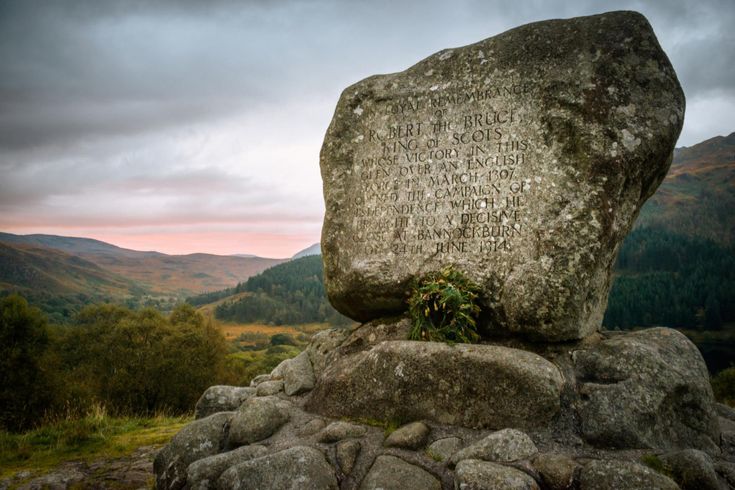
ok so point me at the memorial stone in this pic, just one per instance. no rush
(521, 160)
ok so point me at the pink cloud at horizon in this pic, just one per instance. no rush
(268, 245)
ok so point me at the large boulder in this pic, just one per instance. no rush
(257, 419)
(295, 468)
(200, 439)
(468, 385)
(481, 475)
(392, 473)
(203, 474)
(622, 475)
(522, 160)
(221, 398)
(646, 389)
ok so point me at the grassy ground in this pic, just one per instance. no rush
(96, 436)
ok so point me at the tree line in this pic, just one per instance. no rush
(132, 362)
(289, 293)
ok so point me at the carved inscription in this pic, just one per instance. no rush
(443, 172)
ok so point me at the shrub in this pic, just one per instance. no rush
(443, 307)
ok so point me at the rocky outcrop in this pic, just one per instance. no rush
(521, 160)
(468, 385)
(637, 370)
(647, 389)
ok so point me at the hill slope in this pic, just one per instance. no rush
(697, 197)
(155, 272)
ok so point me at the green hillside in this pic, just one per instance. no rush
(292, 292)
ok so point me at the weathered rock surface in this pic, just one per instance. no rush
(443, 449)
(392, 473)
(346, 453)
(409, 436)
(556, 470)
(468, 385)
(692, 470)
(646, 389)
(298, 375)
(221, 399)
(297, 467)
(337, 431)
(482, 475)
(503, 446)
(257, 419)
(267, 388)
(200, 439)
(622, 475)
(522, 160)
(203, 474)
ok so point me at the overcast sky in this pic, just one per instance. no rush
(195, 126)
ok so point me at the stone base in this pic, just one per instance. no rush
(590, 412)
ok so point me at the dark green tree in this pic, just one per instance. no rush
(24, 388)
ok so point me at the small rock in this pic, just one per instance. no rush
(692, 469)
(727, 443)
(622, 475)
(295, 468)
(725, 411)
(221, 399)
(261, 378)
(257, 419)
(482, 475)
(268, 388)
(443, 449)
(556, 470)
(409, 436)
(727, 471)
(312, 427)
(336, 431)
(347, 452)
(202, 474)
(392, 473)
(200, 439)
(298, 375)
(502, 446)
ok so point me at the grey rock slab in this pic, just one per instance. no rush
(556, 470)
(522, 160)
(346, 452)
(298, 375)
(337, 431)
(692, 469)
(646, 389)
(312, 427)
(622, 475)
(409, 436)
(392, 473)
(503, 446)
(443, 449)
(221, 399)
(299, 467)
(203, 474)
(467, 385)
(257, 419)
(267, 388)
(473, 474)
(200, 439)
(322, 346)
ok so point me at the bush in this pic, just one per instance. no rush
(443, 308)
(139, 362)
(25, 391)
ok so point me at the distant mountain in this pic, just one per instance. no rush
(315, 249)
(61, 274)
(697, 198)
